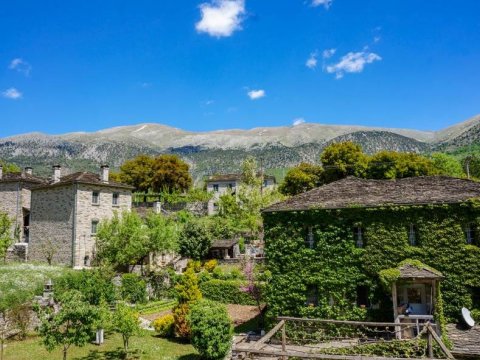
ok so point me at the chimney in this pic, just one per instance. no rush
(1, 172)
(57, 171)
(104, 170)
(28, 170)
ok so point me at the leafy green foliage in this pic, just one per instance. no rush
(138, 172)
(447, 165)
(122, 240)
(95, 285)
(188, 293)
(334, 266)
(6, 238)
(73, 324)
(133, 289)
(211, 329)
(396, 165)
(126, 323)
(227, 292)
(163, 233)
(195, 240)
(9, 167)
(343, 159)
(301, 178)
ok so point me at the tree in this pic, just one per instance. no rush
(48, 250)
(188, 292)
(195, 240)
(253, 287)
(343, 159)
(73, 324)
(163, 233)
(13, 305)
(211, 329)
(396, 165)
(250, 176)
(301, 178)
(6, 238)
(170, 174)
(122, 241)
(447, 165)
(138, 172)
(125, 322)
(9, 167)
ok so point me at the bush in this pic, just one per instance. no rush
(196, 265)
(133, 289)
(475, 314)
(204, 276)
(226, 291)
(94, 285)
(195, 240)
(210, 265)
(211, 329)
(164, 325)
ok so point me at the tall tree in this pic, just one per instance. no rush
(170, 173)
(163, 233)
(125, 322)
(123, 240)
(195, 240)
(188, 293)
(138, 172)
(301, 178)
(343, 159)
(73, 324)
(447, 165)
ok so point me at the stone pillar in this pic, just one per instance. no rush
(28, 170)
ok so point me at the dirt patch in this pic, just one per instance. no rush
(154, 316)
(242, 313)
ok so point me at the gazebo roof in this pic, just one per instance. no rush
(410, 271)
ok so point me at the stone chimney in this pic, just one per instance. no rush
(104, 171)
(1, 172)
(28, 170)
(57, 172)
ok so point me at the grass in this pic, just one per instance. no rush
(144, 347)
(155, 307)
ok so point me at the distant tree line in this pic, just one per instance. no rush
(343, 159)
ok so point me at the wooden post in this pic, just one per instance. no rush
(398, 333)
(429, 344)
(284, 339)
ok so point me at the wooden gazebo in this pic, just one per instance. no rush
(414, 295)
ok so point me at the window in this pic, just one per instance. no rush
(358, 236)
(94, 227)
(362, 296)
(215, 187)
(95, 197)
(412, 235)
(86, 261)
(312, 296)
(310, 239)
(231, 186)
(470, 235)
(115, 199)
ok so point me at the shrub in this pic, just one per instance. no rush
(211, 329)
(226, 291)
(195, 240)
(164, 325)
(133, 289)
(204, 276)
(187, 293)
(217, 273)
(210, 265)
(475, 314)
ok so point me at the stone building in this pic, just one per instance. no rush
(15, 199)
(66, 211)
(223, 184)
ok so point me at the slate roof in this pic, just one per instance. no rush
(466, 342)
(22, 177)
(232, 177)
(409, 271)
(82, 178)
(355, 192)
(223, 244)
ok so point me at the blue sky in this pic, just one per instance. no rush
(84, 65)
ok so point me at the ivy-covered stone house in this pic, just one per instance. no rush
(66, 211)
(336, 251)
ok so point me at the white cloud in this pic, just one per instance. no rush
(352, 63)
(12, 93)
(21, 66)
(221, 17)
(376, 39)
(312, 60)
(256, 94)
(298, 121)
(326, 3)
(328, 53)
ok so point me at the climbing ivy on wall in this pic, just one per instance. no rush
(336, 267)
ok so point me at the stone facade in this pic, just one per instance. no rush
(62, 215)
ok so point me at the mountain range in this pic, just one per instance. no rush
(222, 151)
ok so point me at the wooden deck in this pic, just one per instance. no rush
(466, 342)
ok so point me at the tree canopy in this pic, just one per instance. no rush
(301, 178)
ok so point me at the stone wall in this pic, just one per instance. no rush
(10, 201)
(88, 212)
(51, 224)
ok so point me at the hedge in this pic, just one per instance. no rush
(226, 291)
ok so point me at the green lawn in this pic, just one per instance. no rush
(145, 347)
